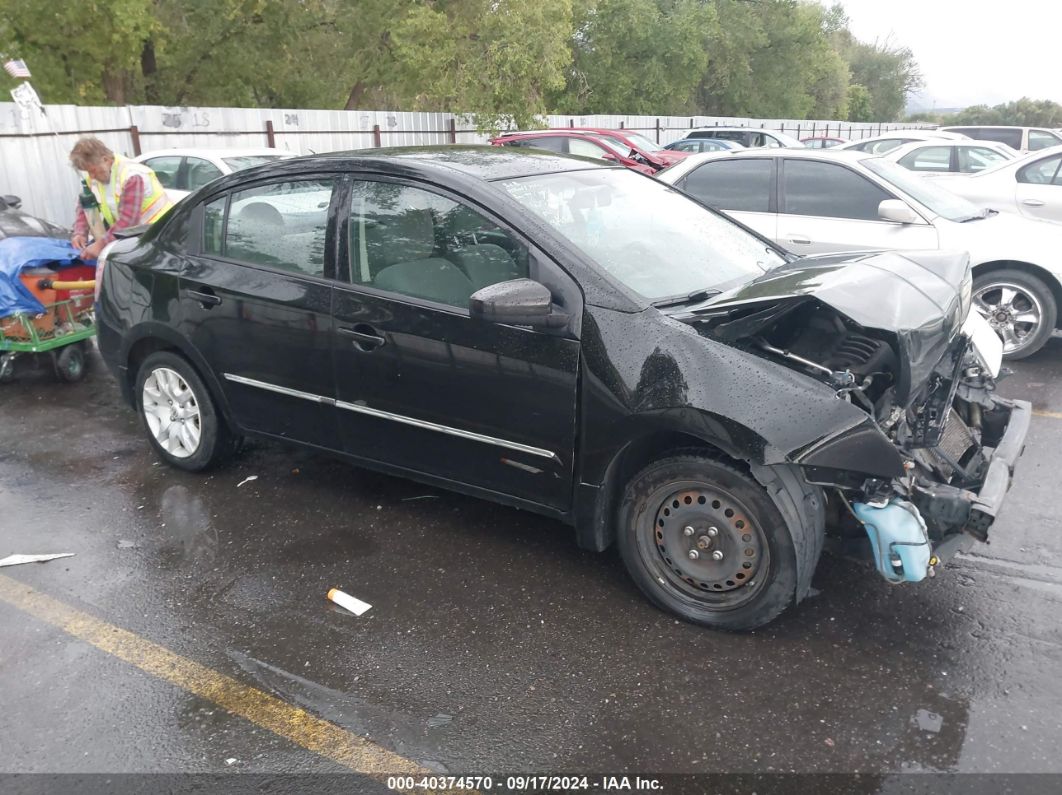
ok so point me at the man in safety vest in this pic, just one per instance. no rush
(119, 194)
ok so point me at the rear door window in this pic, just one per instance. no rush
(1004, 135)
(554, 143)
(282, 225)
(200, 172)
(829, 191)
(1042, 139)
(583, 148)
(977, 158)
(167, 169)
(928, 158)
(741, 185)
(1042, 172)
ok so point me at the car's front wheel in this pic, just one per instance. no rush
(705, 541)
(1019, 307)
(177, 411)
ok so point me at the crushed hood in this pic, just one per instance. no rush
(918, 298)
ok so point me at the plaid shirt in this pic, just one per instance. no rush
(128, 210)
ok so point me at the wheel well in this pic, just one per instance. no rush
(142, 349)
(599, 531)
(1043, 275)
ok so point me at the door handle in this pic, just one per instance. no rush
(1032, 202)
(205, 296)
(363, 336)
(799, 239)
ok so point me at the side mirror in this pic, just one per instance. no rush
(14, 202)
(896, 210)
(520, 302)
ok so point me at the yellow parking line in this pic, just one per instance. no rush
(1055, 415)
(262, 709)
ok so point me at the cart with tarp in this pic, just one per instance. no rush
(46, 306)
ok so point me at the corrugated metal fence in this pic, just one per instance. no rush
(34, 147)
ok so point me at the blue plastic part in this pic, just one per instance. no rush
(899, 537)
(22, 253)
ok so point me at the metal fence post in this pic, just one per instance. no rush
(376, 140)
(453, 131)
(134, 134)
(658, 130)
(271, 138)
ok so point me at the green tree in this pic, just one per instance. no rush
(637, 56)
(1024, 112)
(859, 108)
(85, 53)
(889, 73)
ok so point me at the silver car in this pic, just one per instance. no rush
(822, 201)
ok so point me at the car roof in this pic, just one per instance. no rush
(832, 155)
(215, 153)
(482, 162)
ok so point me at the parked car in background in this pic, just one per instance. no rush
(1023, 139)
(886, 142)
(182, 171)
(817, 202)
(639, 146)
(581, 144)
(751, 137)
(945, 158)
(15, 223)
(698, 145)
(1030, 186)
(823, 142)
(579, 341)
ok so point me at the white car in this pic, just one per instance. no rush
(949, 158)
(886, 142)
(820, 201)
(1024, 139)
(182, 171)
(1030, 186)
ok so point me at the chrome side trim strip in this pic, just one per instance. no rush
(387, 415)
(280, 390)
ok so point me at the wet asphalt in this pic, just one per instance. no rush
(493, 644)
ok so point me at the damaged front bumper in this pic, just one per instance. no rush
(904, 546)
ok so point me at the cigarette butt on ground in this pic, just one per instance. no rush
(348, 602)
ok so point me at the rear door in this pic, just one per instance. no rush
(255, 301)
(743, 187)
(1038, 190)
(827, 207)
(420, 384)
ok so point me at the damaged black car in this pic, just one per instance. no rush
(578, 340)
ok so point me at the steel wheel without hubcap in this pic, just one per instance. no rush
(1013, 311)
(172, 412)
(711, 548)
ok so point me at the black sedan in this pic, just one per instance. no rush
(575, 339)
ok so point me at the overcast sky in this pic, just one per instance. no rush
(970, 52)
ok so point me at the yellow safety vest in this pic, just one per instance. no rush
(155, 203)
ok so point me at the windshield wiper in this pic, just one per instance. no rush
(690, 298)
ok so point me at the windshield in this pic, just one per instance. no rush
(652, 238)
(247, 161)
(942, 202)
(642, 142)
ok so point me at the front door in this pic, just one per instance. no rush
(827, 207)
(422, 386)
(256, 303)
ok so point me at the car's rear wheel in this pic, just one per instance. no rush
(179, 414)
(1019, 307)
(705, 541)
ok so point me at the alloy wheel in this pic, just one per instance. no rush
(1013, 311)
(172, 412)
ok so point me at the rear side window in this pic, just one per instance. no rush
(282, 225)
(740, 185)
(553, 143)
(928, 158)
(830, 191)
(200, 172)
(977, 158)
(1041, 139)
(166, 169)
(1043, 172)
(577, 146)
(1003, 135)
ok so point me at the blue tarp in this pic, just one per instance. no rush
(22, 253)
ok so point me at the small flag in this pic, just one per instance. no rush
(16, 67)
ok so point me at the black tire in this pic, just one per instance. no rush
(987, 286)
(215, 442)
(70, 363)
(755, 578)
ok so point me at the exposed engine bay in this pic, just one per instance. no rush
(930, 391)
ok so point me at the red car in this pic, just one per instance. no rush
(604, 145)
